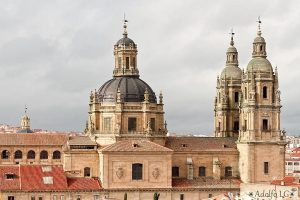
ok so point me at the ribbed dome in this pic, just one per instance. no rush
(259, 64)
(125, 41)
(132, 89)
(233, 72)
(259, 39)
(231, 49)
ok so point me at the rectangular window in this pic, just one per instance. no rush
(152, 124)
(265, 124)
(245, 124)
(119, 62)
(228, 171)
(107, 123)
(236, 126)
(10, 198)
(96, 197)
(265, 92)
(78, 197)
(54, 197)
(290, 163)
(127, 62)
(40, 198)
(32, 198)
(137, 171)
(62, 197)
(296, 163)
(201, 171)
(266, 167)
(209, 195)
(175, 171)
(133, 62)
(245, 93)
(236, 97)
(131, 124)
(181, 196)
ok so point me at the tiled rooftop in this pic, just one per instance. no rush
(81, 140)
(38, 139)
(205, 183)
(201, 144)
(43, 178)
(135, 146)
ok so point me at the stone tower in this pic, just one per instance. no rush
(228, 96)
(125, 107)
(260, 143)
(25, 124)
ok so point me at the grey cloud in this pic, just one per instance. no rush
(52, 53)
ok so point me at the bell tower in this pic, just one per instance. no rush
(228, 95)
(261, 142)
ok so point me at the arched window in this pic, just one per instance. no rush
(137, 171)
(265, 92)
(228, 171)
(5, 154)
(56, 155)
(44, 155)
(87, 172)
(18, 154)
(202, 171)
(31, 154)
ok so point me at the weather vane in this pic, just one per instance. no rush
(26, 109)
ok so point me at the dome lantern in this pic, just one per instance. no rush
(125, 52)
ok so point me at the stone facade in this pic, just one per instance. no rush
(126, 147)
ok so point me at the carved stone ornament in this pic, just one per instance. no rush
(155, 173)
(120, 172)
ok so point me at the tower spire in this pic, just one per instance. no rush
(259, 26)
(232, 34)
(125, 34)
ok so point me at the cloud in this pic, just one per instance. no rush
(52, 53)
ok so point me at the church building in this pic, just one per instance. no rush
(126, 151)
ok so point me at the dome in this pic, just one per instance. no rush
(259, 39)
(125, 41)
(132, 89)
(231, 72)
(231, 49)
(260, 64)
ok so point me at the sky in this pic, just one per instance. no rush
(53, 53)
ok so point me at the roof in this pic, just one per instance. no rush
(38, 139)
(287, 181)
(81, 140)
(201, 143)
(131, 89)
(43, 178)
(9, 184)
(205, 183)
(83, 184)
(135, 146)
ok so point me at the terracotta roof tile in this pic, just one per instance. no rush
(9, 184)
(39, 139)
(43, 178)
(135, 146)
(205, 183)
(32, 178)
(84, 184)
(81, 140)
(200, 143)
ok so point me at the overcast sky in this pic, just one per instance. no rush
(53, 53)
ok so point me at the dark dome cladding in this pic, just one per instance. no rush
(132, 89)
(125, 41)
